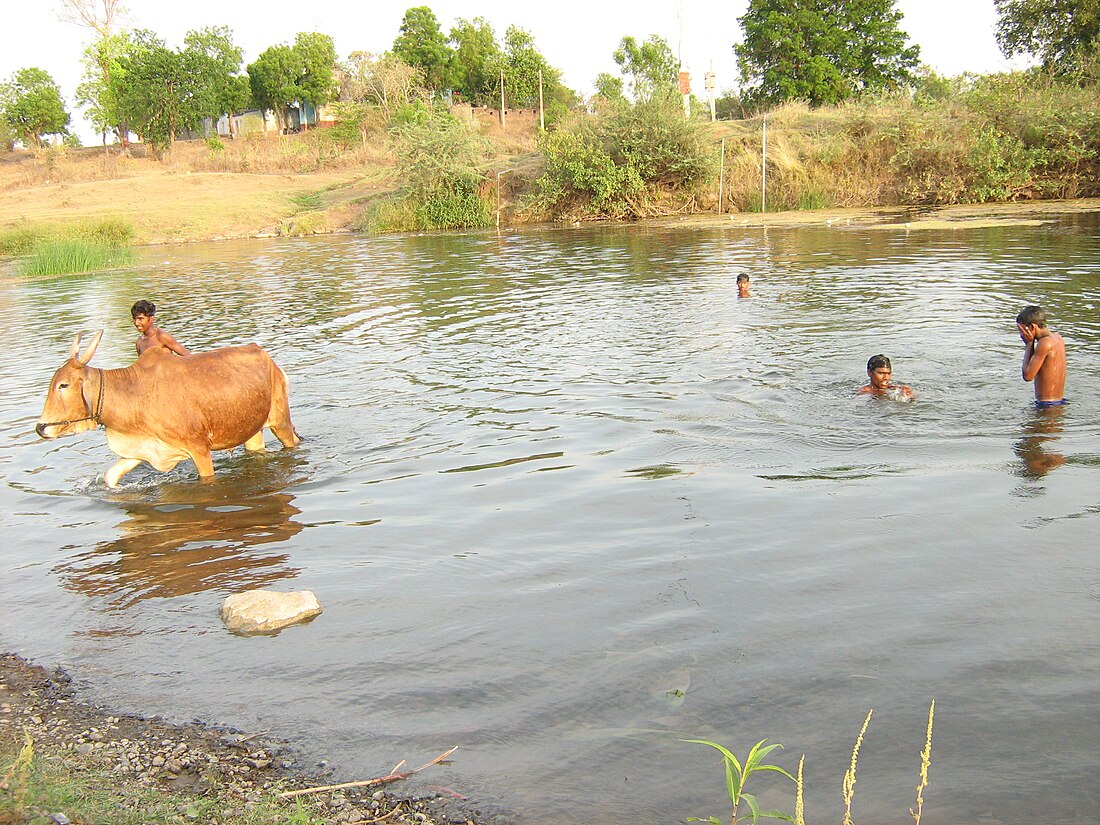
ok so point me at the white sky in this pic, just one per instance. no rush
(955, 36)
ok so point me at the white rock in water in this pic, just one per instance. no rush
(266, 611)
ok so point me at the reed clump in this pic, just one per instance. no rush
(70, 256)
(58, 249)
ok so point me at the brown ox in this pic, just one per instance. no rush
(165, 408)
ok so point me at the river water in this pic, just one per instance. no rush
(567, 500)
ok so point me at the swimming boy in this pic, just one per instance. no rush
(743, 285)
(1044, 357)
(144, 315)
(879, 372)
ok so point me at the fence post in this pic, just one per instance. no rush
(764, 171)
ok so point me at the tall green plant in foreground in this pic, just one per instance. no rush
(737, 776)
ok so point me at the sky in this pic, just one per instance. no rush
(954, 36)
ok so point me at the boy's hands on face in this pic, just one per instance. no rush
(1027, 334)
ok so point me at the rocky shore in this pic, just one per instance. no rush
(183, 762)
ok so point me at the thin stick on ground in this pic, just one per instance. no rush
(365, 783)
(384, 817)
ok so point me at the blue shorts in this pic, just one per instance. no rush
(1042, 405)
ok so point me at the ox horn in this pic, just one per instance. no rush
(86, 356)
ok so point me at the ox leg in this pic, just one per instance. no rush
(203, 463)
(119, 469)
(255, 443)
(278, 419)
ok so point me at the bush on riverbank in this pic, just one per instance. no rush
(439, 163)
(629, 161)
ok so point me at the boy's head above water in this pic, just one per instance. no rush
(743, 285)
(146, 308)
(1032, 315)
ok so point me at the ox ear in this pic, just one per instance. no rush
(86, 356)
(75, 348)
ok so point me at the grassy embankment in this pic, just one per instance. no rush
(994, 139)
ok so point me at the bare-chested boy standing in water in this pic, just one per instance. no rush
(1044, 357)
(144, 315)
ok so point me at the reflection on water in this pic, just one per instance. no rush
(173, 550)
(180, 538)
(1041, 434)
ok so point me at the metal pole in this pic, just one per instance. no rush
(722, 177)
(764, 171)
(542, 115)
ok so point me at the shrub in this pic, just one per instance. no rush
(623, 162)
(439, 162)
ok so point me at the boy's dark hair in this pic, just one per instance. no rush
(744, 276)
(145, 308)
(877, 362)
(1032, 315)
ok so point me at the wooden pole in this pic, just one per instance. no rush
(542, 115)
(502, 98)
(764, 171)
(722, 177)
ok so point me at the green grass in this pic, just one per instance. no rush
(69, 248)
(67, 256)
(33, 785)
(23, 239)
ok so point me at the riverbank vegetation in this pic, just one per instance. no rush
(64, 248)
(853, 127)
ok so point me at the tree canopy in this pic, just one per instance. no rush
(651, 66)
(284, 75)
(158, 91)
(476, 60)
(1063, 34)
(422, 43)
(31, 105)
(822, 51)
(385, 81)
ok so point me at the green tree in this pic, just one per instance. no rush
(225, 88)
(32, 106)
(522, 64)
(317, 84)
(1063, 34)
(822, 51)
(609, 87)
(476, 60)
(651, 66)
(161, 91)
(98, 91)
(423, 44)
(273, 78)
(104, 78)
(303, 73)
